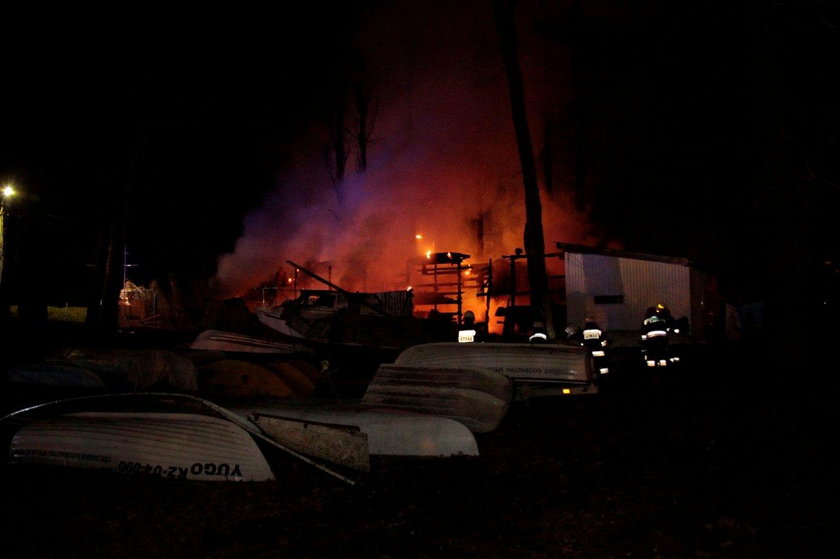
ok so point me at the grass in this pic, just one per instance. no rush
(59, 314)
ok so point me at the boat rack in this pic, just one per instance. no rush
(445, 276)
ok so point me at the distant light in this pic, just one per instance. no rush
(8, 190)
(567, 391)
(418, 236)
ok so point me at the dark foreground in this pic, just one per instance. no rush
(730, 458)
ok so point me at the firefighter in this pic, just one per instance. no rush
(593, 339)
(468, 331)
(592, 335)
(655, 343)
(654, 324)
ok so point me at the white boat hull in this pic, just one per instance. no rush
(531, 367)
(271, 318)
(178, 446)
(477, 398)
(389, 432)
(343, 445)
(218, 340)
(164, 434)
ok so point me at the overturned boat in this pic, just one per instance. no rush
(245, 378)
(405, 411)
(168, 445)
(535, 369)
(111, 369)
(233, 342)
(389, 432)
(479, 399)
(170, 436)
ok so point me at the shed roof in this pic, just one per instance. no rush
(583, 249)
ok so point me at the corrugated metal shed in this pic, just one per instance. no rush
(617, 287)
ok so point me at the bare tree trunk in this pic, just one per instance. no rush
(34, 272)
(4, 300)
(579, 109)
(103, 308)
(339, 142)
(363, 108)
(547, 155)
(533, 235)
(337, 152)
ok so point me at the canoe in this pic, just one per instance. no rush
(535, 369)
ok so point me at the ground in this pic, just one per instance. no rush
(726, 457)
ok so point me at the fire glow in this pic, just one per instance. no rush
(442, 175)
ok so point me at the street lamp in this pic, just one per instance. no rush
(7, 192)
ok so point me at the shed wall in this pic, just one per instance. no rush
(628, 286)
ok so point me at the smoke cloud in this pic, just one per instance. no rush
(443, 164)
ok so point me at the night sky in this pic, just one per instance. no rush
(709, 130)
(184, 112)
